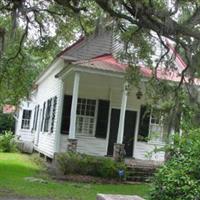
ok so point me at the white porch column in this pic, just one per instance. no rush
(136, 133)
(59, 115)
(120, 134)
(72, 127)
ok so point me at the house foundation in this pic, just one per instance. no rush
(72, 145)
(119, 152)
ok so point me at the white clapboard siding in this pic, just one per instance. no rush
(142, 149)
(92, 145)
(49, 88)
(88, 145)
(26, 136)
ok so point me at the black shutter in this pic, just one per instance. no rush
(66, 114)
(47, 115)
(36, 121)
(102, 119)
(144, 123)
(43, 115)
(53, 113)
(34, 118)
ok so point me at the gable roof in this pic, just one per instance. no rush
(100, 43)
(73, 46)
(98, 52)
(108, 63)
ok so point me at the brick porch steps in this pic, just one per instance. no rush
(141, 171)
(140, 174)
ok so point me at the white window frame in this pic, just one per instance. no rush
(159, 125)
(22, 128)
(94, 117)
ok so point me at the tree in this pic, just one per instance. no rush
(29, 44)
(142, 24)
(7, 122)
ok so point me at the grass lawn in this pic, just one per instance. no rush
(15, 167)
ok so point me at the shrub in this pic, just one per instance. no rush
(82, 164)
(179, 177)
(7, 122)
(7, 143)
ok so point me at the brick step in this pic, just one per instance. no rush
(141, 170)
(139, 178)
(141, 167)
(137, 172)
(140, 174)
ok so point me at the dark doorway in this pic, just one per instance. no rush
(114, 123)
(129, 131)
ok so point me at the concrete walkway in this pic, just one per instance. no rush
(117, 197)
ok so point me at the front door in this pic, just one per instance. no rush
(129, 129)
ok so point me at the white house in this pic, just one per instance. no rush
(80, 102)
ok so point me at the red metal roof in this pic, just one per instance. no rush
(109, 63)
(104, 62)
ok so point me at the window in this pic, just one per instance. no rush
(86, 110)
(156, 127)
(26, 119)
(48, 116)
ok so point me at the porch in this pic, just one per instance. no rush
(98, 112)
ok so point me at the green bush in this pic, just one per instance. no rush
(7, 122)
(82, 164)
(179, 178)
(7, 143)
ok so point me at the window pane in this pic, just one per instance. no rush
(156, 127)
(78, 109)
(26, 116)
(83, 101)
(85, 116)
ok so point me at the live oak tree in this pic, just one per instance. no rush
(142, 24)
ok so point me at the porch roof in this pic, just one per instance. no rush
(108, 63)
